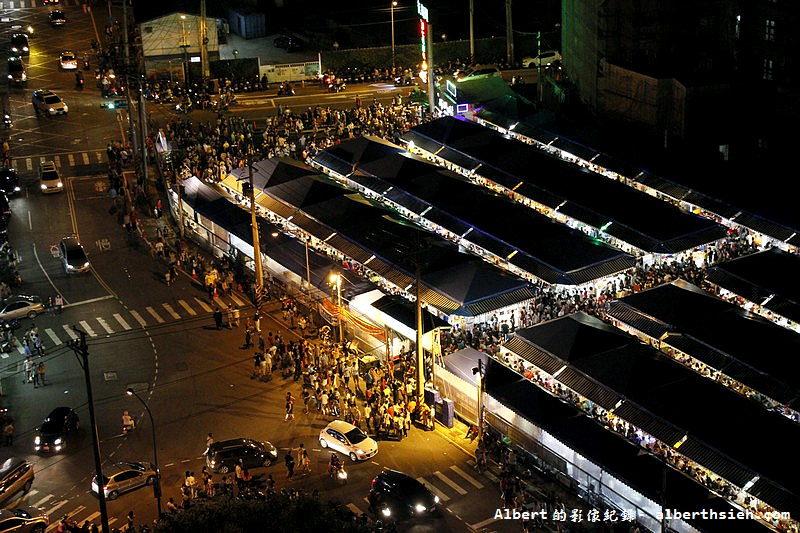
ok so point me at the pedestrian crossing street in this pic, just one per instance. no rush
(63, 160)
(447, 485)
(128, 320)
(21, 4)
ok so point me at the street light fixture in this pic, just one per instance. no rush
(157, 484)
(391, 10)
(336, 279)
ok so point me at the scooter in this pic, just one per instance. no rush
(7, 121)
(78, 81)
(338, 473)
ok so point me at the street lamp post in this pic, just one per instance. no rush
(185, 46)
(391, 10)
(157, 484)
(337, 280)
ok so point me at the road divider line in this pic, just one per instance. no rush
(91, 301)
(56, 507)
(139, 319)
(71, 159)
(85, 158)
(442, 496)
(171, 311)
(202, 304)
(122, 321)
(43, 500)
(68, 329)
(53, 336)
(87, 328)
(154, 315)
(474, 482)
(105, 325)
(186, 306)
(452, 484)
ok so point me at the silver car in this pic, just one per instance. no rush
(21, 306)
(347, 439)
(126, 477)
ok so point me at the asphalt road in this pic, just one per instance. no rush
(154, 338)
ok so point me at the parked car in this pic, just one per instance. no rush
(9, 181)
(347, 439)
(288, 43)
(47, 102)
(49, 178)
(19, 43)
(23, 520)
(17, 73)
(20, 306)
(57, 427)
(15, 475)
(223, 456)
(543, 59)
(125, 477)
(395, 495)
(73, 256)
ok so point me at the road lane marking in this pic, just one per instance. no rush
(52, 335)
(93, 516)
(70, 515)
(480, 525)
(99, 156)
(57, 506)
(171, 311)
(442, 496)
(87, 328)
(68, 329)
(485, 473)
(105, 325)
(43, 500)
(202, 304)
(186, 306)
(237, 301)
(154, 315)
(71, 159)
(122, 321)
(91, 301)
(353, 507)
(453, 485)
(138, 317)
(474, 482)
(85, 158)
(57, 161)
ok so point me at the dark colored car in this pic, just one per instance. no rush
(397, 496)
(57, 18)
(9, 181)
(223, 456)
(73, 256)
(19, 43)
(290, 44)
(60, 425)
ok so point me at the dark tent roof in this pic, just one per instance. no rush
(496, 95)
(405, 312)
(634, 217)
(623, 459)
(756, 351)
(767, 278)
(708, 412)
(461, 362)
(552, 252)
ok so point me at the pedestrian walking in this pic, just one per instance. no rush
(40, 369)
(8, 433)
(289, 460)
(38, 346)
(238, 472)
(229, 316)
(131, 525)
(289, 406)
(29, 371)
(236, 316)
(51, 306)
(217, 317)
(59, 303)
(26, 347)
(168, 278)
(209, 442)
(248, 337)
(306, 462)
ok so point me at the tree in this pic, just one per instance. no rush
(278, 513)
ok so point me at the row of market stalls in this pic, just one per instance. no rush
(764, 283)
(608, 210)
(698, 428)
(764, 231)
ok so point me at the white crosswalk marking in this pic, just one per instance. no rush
(43, 500)
(99, 156)
(122, 321)
(72, 513)
(68, 329)
(85, 158)
(20, 349)
(154, 315)
(93, 516)
(52, 335)
(171, 311)
(57, 161)
(29, 163)
(186, 306)
(57, 506)
(452, 484)
(353, 507)
(71, 159)
(87, 328)
(237, 301)
(105, 325)
(474, 482)
(442, 496)
(202, 304)
(138, 317)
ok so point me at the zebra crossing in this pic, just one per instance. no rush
(48, 502)
(63, 160)
(453, 483)
(119, 322)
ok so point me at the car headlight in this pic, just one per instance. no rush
(420, 508)
(86, 264)
(17, 189)
(273, 453)
(386, 512)
(44, 186)
(58, 441)
(360, 452)
(51, 109)
(24, 49)
(60, 184)
(10, 77)
(435, 499)
(14, 49)
(37, 440)
(66, 108)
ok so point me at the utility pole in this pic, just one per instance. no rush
(125, 35)
(471, 32)
(259, 289)
(480, 371)
(143, 125)
(420, 350)
(431, 75)
(203, 40)
(509, 35)
(82, 350)
(539, 88)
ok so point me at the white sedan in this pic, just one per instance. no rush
(68, 61)
(542, 60)
(347, 439)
